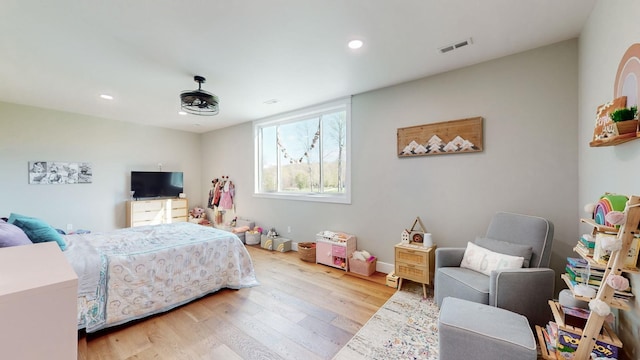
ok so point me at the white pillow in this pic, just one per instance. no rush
(482, 260)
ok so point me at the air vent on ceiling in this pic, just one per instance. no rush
(455, 46)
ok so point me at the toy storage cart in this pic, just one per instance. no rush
(334, 248)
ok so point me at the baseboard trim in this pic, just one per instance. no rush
(385, 267)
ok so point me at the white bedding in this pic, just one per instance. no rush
(131, 273)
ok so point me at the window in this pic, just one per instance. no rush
(304, 155)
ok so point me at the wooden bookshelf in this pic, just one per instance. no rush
(544, 352)
(606, 335)
(615, 302)
(597, 265)
(596, 323)
(600, 227)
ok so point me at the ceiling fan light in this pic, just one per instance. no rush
(199, 102)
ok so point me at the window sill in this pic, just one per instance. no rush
(336, 199)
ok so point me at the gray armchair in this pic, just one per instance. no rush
(525, 291)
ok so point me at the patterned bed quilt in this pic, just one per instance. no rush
(132, 273)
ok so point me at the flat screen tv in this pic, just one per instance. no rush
(152, 184)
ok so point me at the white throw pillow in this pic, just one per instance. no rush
(482, 260)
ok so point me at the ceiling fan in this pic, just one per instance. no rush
(199, 102)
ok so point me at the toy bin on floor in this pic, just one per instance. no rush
(266, 242)
(241, 223)
(307, 251)
(392, 280)
(360, 267)
(252, 238)
(281, 244)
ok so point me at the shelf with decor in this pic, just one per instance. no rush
(606, 340)
(604, 298)
(615, 140)
(597, 265)
(615, 123)
(600, 227)
(616, 303)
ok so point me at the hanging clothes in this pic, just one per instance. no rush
(210, 203)
(217, 192)
(227, 194)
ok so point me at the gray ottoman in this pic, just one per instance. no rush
(470, 330)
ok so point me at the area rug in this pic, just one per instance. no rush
(405, 327)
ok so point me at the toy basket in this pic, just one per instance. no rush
(360, 267)
(307, 251)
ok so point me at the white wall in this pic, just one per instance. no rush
(529, 103)
(114, 149)
(612, 28)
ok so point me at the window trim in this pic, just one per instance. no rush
(297, 115)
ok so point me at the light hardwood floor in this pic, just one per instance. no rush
(300, 310)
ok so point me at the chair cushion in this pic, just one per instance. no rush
(525, 230)
(485, 261)
(461, 283)
(504, 247)
(469, 330)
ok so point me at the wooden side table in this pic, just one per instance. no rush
(416, 263)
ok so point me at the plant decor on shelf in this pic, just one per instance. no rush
(625, 120)
(624, 114)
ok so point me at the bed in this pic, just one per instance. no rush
(131, 273)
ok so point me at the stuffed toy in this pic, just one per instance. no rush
(196, 213)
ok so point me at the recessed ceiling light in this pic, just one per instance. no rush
(355, 44)
(272, 101)
(106, 97)
(182, 113)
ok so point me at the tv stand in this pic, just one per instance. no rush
(156, 211)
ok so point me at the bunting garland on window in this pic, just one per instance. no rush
(286, 154)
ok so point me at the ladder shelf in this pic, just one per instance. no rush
(625, 233)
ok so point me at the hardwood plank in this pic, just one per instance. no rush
(223, 352)
(300, 310)
(265, 334)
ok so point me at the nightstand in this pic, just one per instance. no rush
(415, 263)
(38, 303)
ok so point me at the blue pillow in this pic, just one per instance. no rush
(37, 230)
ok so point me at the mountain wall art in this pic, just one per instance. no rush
(448, 137)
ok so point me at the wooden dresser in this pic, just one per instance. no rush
(157, 211)
(416, 263)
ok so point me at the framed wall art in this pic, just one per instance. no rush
(449, 137)
(58, 172)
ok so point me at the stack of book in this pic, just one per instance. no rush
(561, 339)
(586, 245)
(579, 272)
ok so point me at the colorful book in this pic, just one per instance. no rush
(588, 241)
(577, 262)
(622, 295)
(585, 249)
(568, 344)
(577, 278)
(602, 256)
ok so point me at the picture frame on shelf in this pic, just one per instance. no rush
(417, 232)
(417, 237)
